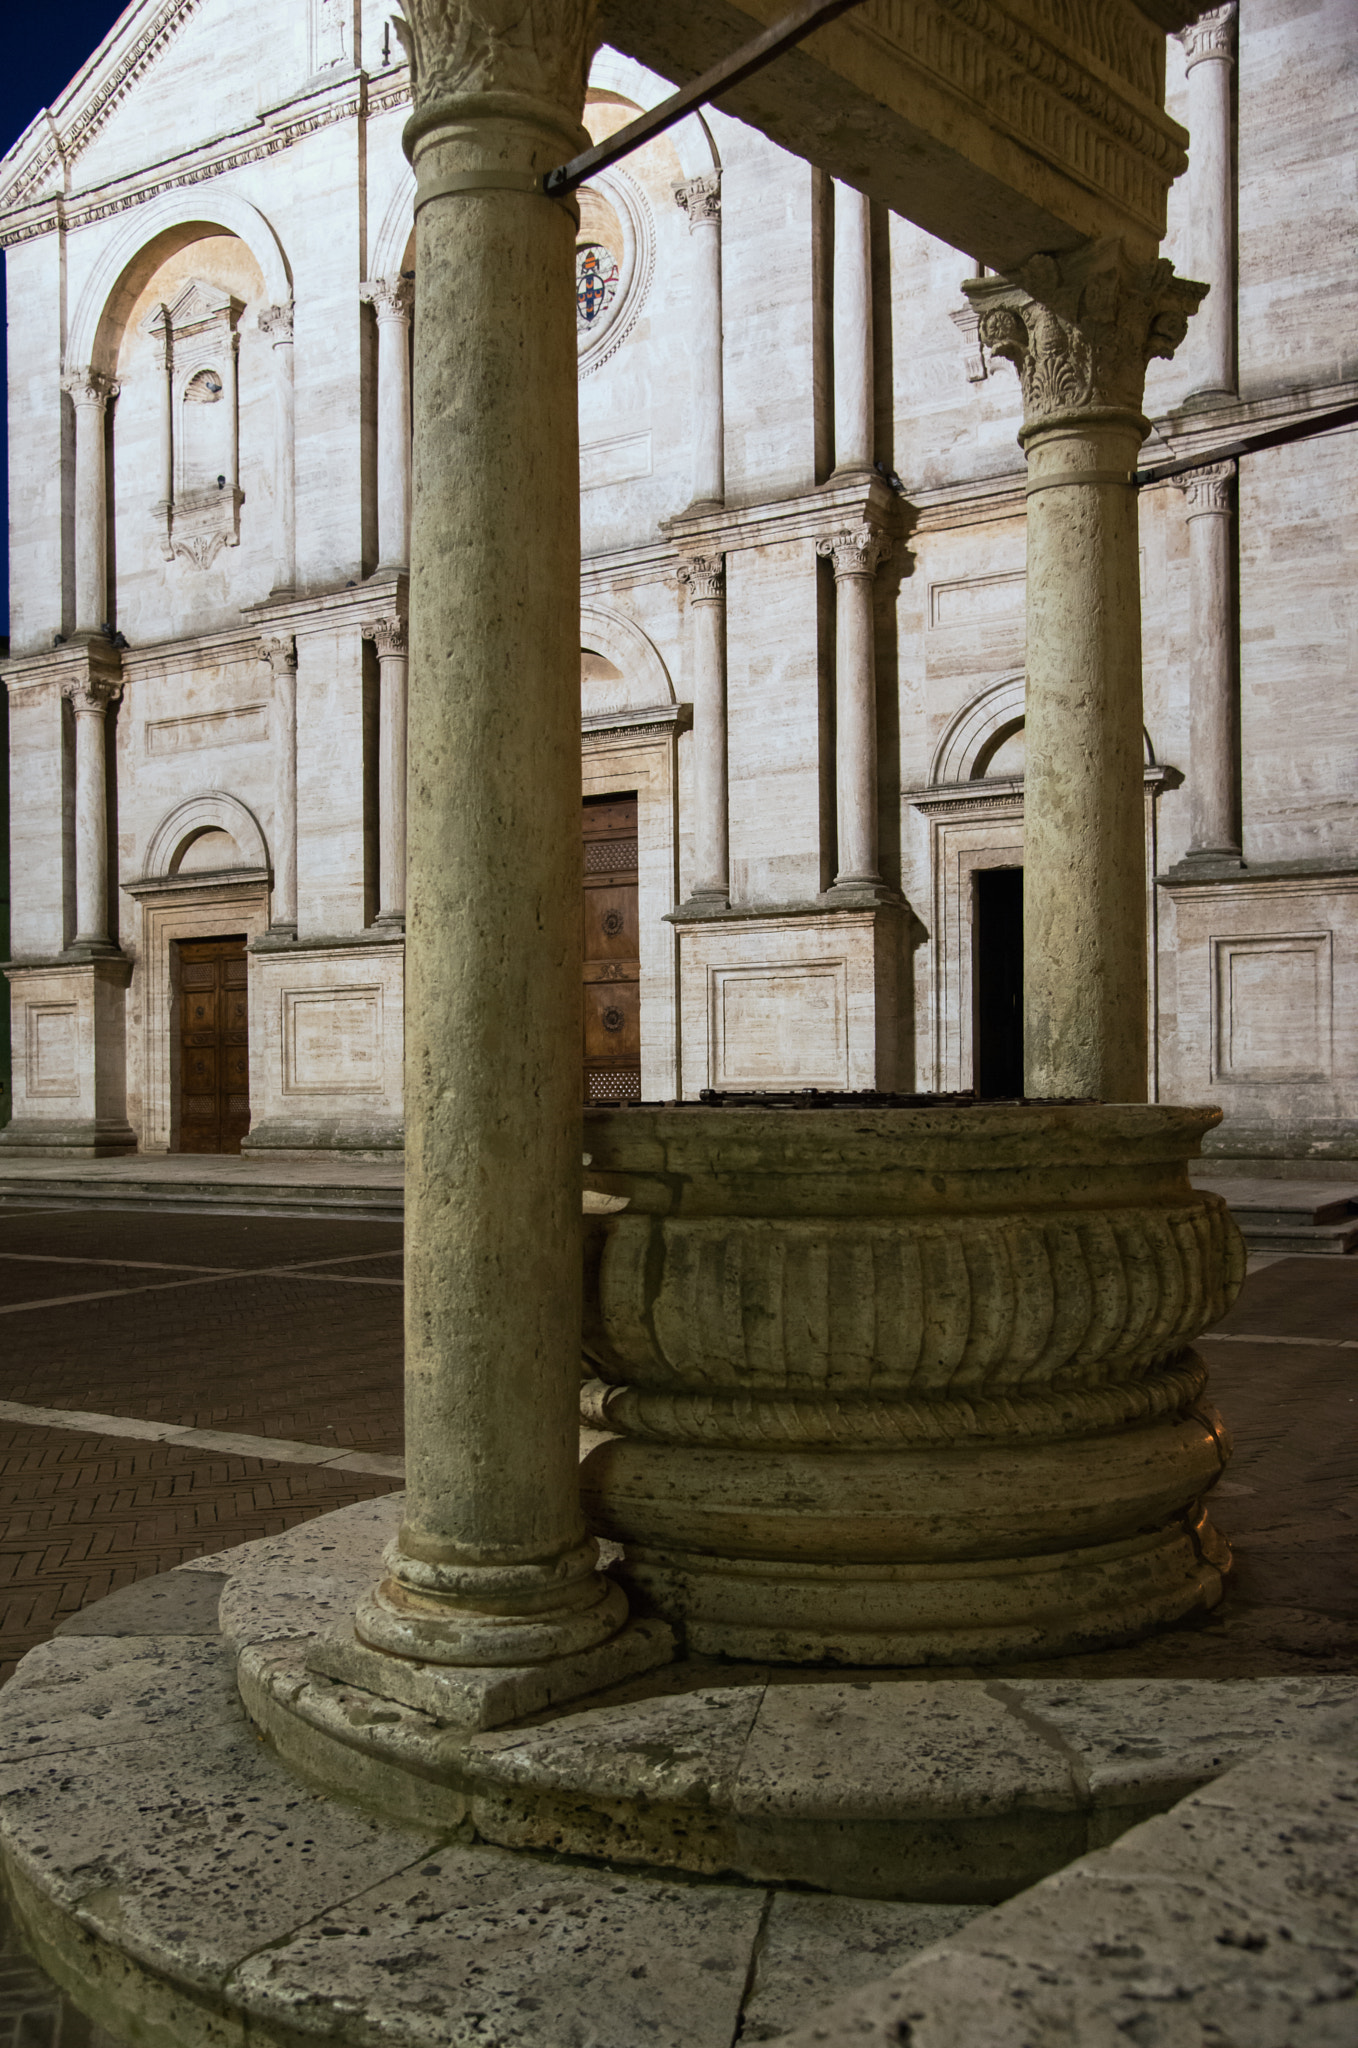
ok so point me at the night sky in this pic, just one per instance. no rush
(45, 47)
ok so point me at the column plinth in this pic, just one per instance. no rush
(1080, 332)
(392, 300)
(856, 553)
(705, 579)
(491, 1599)
(1214, 798)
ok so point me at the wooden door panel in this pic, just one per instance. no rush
(214, 1106)
(612, 966)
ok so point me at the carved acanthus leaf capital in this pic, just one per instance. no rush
(391, 298)
(89, 387)
(1208, 489)
(705, 576)
(1081, 329)
(91, 694)
(700, 199)
(1211, 35)
(855, 550)
(280, 651)
(275, 324)
(540, 48)
(389, 636)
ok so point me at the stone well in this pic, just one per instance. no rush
(903, 1386)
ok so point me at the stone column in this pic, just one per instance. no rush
(281, 655)
(492, 1599)
(391, 301)
(705, 578)
(389, 638)
(1210, 47)
(1080, 331)
(701, 201)
(856, 553)
(275, 322)
(855, 435)
(90, 700)
(91, 392)
(1213, 785)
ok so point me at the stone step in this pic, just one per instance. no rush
(1314, 1218)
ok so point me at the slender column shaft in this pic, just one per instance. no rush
(281, 656)
(1210, 44)
(856, 554)
(492, 1566)
(391, 301)
(276, 323)
(91, 393)
(854, 427)
(706, 582)
(1080, 332)
(90, 702)
(701, 201)
(390, 638)
(1214, 795)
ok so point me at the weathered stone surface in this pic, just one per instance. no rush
(78, 1693)
(479, 1945)
(171, 1604)
(810, 1944)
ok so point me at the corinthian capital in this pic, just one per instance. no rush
(1080, 329)
(391, 298)
(279, 651)
(389, 636)
(705, 576)
(856, 550)
(700, 199)
(540, 48)
(1211, 35)
(275, 324)
(1207, 489)
(91, 694)
(89, 387)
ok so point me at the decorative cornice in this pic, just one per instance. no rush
(705, 578)
(389, 636)
(537, 49)
(855, 551)
(1209, 489)
(1211, 35)
(391, 298)
(700, 199)
(1081, 329)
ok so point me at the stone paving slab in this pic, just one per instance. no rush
(810, 1943)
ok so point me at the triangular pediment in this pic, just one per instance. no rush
(194, 305)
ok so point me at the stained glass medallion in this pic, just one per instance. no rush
(596, 284)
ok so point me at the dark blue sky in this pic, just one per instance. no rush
(44, 48)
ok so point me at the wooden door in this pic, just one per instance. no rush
(612, 947)
(214, 1055)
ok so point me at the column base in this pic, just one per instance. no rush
(859, 892)
(461, 1696)
(1203, 861)
(80, 1138)
(702, 903)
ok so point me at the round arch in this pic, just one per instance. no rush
(398, 224)
(643, 679)
(89, 338)
(213, 812)
(980, 728)
(691, 137)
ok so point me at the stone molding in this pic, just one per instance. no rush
(855, 551)
(700, 200)
(1211, 35)
(1081, 329)
(538, 49)
(391, 298)
(389, 636)
(275, 324)
(1209, 489)
(967, 322)
(704, 577)
(90, 387)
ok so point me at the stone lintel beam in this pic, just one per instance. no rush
(976, 121)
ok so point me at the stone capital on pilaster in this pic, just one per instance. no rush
(1211, 35)
(91, 694)
(391, 298)
(280, 651)
(855, 550)
(1080, 329)
(700, 199)
(389, 636)
(705, 578)
(534, 49)
(1209, 489)
(275, 324)
(89, 387)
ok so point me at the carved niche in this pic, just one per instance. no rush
(199, 506)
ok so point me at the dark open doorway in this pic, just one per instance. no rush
(997, 976)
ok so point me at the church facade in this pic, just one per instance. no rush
(802, 605)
